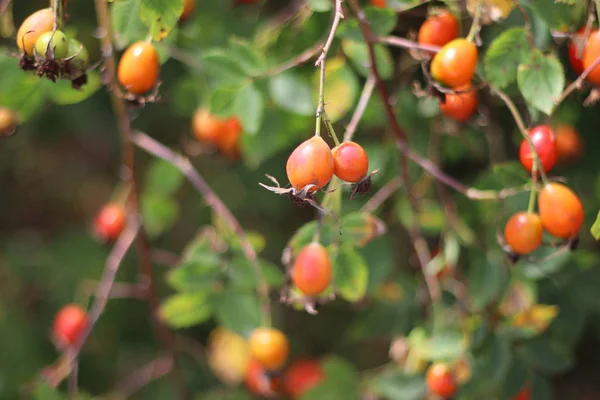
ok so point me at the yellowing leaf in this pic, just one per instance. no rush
(537, 318)
(341, 88)
(492, 10)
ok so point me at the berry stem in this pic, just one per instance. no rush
(330, 130)
(338, 15)
(57, 9)
(476, 22)
(533, 191)
(360, 108)
(521, 125)
(597, 3)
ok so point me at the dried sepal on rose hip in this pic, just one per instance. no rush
(351, 164)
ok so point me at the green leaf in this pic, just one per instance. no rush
(397, 386)
(350, 273)
(382, 22)
(126, 23)
(62, 92)
(358, 229)
(197, 276)
(595, 229)
(541, 81)
(557, 15)
(248, 106)
(290, 92)
(242, 275)
(511, 173)
(186, 309)
(163, 178)
(358, 52)
(223, 100)
(341, 382)
(224, 394)
(219, 64)
(320, 5)
(445, 345)
(161, 16)
(546, 355)
(487, 278)
(505, 54)
(249, 60)
(159, 213)
(238, 312)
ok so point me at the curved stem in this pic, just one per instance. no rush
(476, 21)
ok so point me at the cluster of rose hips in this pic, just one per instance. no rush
(49, 52)
(312, 165)
(222, 134)
(583, 53)
(560, 210)
(269, 350)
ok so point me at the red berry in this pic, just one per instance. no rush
(439, 29)
(590, 53)
(109, 222)
(310, 163)
(69, 324)
(575, 43)
(454, 65)
(379, 3)
(544, 143)
(523, 232)
(139, 68)
(351, 163)
(460, 106)
(569, 146)
(524, 394)
(260, 382)
(301, 376)
(440, 381)
(270, 347)
(311, 272)
(561, 210)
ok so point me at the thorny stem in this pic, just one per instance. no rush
(128, 175)
(476, 21)
(414, 231)
(521, 125)
(157, 149)
(338, 15)
(360, 108)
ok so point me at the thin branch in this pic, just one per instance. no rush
(4, 5)
(382, 195)
(360, 108)
(527, 25)
(407, 44)
(73, 382)
(140, 378)
(157, 149)
(414, 231)
(294, 62)
(128, 173)
(165, 257)
(577, 83)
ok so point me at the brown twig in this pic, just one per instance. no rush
(128, 175)
(104, 288)
(337, 17)
(382, 195)
(140, 378)
(363, 101)
(157, 149)
(527, 24)
(294, 62)
(165, 257)
(414, 230)
(407, 44)
(577, 83)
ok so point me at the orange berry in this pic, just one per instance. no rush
(460, 106)
(301, 376)
(311, 272)
(569, 146)
(454, 65)
(438, 30)
(310, 163)
(561, 210)
(139, 68)
(269, 347)
(440, 380)
(33, 27)
(351, 163)
(523, 232)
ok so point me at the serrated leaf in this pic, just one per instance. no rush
(186, 309)
(350, 273)
(161, 16)
(558, 15)
(163, 178)
(248, 106)
(358, 52)
(541, 81)
(505, 54)
(290, 92)
(127, 26)
(238, 312)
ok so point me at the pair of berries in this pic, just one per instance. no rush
(453, 66)
(223, 134)
(580, 61)
(562, 144)
(269, 350)
(314, 163)
(50, 51)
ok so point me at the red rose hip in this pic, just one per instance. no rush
(523, 232)
(109, 222)
(351, 163)
(440, 381)
(301, 376)
(311, 272)
(69, 324)
(311, 163)
(544, 143)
